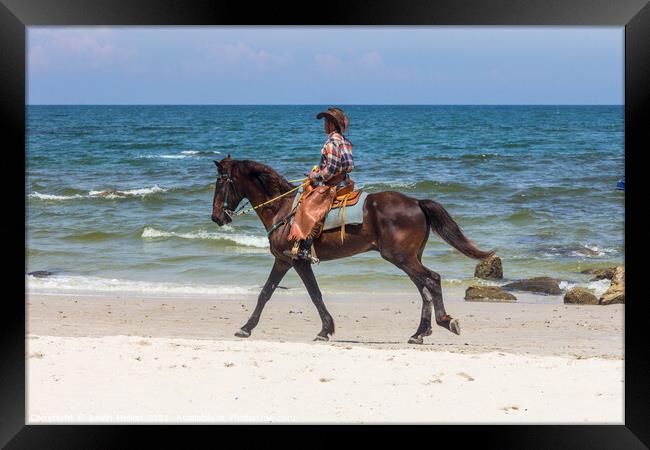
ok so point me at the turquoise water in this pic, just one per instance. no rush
(119, 197)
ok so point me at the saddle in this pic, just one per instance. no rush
(314, 203)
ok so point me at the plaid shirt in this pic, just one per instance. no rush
(336, 157)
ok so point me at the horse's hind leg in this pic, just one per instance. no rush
(424, 329)
(303, 268)
(442, 318)
(280, 268)
(428, 284)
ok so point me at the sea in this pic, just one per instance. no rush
(118, 198)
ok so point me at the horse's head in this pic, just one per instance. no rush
(227, 195)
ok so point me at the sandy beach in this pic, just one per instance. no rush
(128, 358)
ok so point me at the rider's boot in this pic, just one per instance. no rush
(303, 251)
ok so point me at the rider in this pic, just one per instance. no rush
(335, 162)
(336, 155)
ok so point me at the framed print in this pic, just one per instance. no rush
(386, 214)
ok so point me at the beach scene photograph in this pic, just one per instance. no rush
(331, 225)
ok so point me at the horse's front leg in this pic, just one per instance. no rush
(280, 268)
(303, 268)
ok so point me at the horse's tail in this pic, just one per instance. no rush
(446, 227)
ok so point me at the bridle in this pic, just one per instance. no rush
(230, 186)
(225, 178)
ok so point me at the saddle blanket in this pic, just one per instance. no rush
(334, 218)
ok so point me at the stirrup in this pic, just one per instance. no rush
(297, 253)
(311, 259)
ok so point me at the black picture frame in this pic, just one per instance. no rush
(634, 15)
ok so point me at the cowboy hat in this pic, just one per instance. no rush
(337, 116)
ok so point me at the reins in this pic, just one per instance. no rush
(241, 211)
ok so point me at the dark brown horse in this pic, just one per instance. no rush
(395, 225)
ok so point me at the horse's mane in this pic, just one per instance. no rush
(271, 181)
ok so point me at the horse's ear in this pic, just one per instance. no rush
(228, 157)
(216, 163)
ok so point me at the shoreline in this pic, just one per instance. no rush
(52, 285)
(379, 321)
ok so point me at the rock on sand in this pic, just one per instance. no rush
(580, 296)
(542, 285)
(616, 292)
(489, 268)
(599, 274)
(488, 294)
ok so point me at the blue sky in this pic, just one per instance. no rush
(325, 65)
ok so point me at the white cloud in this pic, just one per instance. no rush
(225, 56)
(371, 60)
(76, 49)
(352, 61)
(328, 61)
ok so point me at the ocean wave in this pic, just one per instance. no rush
(479, 157)
(419, 186)
(578, 251)
(598, 287)
(165, 128)
(96, 284)
(239, 239)
(93, 236)
(524, 215)
(552, 192)
(40, 196)
(182, 155)
(171, 156)
(109, 194)
(139, 145)
(516, 145)
(200, 152)
(138, 192)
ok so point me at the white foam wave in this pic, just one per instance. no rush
(391, 184)
(598, 287)
(182, 155)
(580, 251)
(106, 193)
(240, 239)
(200, 152)
(138, 192)
(96, 284)
(54, 197)
(600, 251)
(173, 156)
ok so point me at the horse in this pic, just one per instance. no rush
(395, 225)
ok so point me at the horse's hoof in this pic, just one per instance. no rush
(416, 340)
(321, 338)
(454, 326)
(242, 333)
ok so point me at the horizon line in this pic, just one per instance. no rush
(325, 104)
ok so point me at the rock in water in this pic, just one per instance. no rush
(40, 273)
(580, 296)
(488, 293)
(616, 292)
(607, 272)
(542, 285)
(489, 268)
